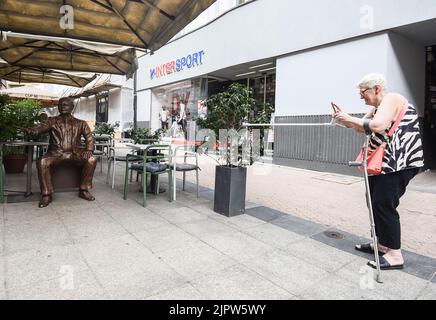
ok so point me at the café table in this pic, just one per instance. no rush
(30, 147)
(153, 180)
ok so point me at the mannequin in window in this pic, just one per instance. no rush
(164, 117)
(182, 117)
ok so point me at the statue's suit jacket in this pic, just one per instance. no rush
(65, 135)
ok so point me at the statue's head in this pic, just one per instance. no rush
(65, 105)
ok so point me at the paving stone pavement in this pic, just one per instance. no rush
(116, 249)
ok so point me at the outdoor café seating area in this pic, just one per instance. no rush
(123, 162)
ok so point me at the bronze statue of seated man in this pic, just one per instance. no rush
(64, 147)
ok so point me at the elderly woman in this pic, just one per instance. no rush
(402, 160)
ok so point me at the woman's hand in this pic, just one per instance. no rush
(343, 118)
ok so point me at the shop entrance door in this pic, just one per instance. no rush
(429, 125)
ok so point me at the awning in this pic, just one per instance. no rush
(41, 75)
(137, 23)
(56, 53)
(103, 83)
(29, 92)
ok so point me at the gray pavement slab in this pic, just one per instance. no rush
(25, 268)
(139, 282)
(419, 265)
(428, 293)
(206, 228)
(342, 240)
(136, 222)
(239, 222)
(396, 284)
(195, 260)
(88, 227)
(298, 225)
(3, 295)
(164, 237)
(273, 235)
(81, 286)
(336, 288)
(237, 245)
(184, 292)
(21, 237)
(115, 253)
(319, 254)
(239, 283)
(28, 215)
(181, 215)
(265, 214)
(209, 194)
(285, 271)
(205, 208)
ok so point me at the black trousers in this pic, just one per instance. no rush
(386, 191)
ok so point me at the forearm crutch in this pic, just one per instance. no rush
(363, 164)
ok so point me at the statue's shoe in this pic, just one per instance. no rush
(84, 194)
(44, 202)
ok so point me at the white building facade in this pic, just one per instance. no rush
(299, 56)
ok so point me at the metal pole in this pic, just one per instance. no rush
(135, 101)
(369, 205)
(286, 124)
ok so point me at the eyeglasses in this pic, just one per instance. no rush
(362, 93)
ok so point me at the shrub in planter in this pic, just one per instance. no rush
(15, 115)
(227, 111)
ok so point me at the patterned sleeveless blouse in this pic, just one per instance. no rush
(404, 149)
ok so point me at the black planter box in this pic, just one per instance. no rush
(230, 187)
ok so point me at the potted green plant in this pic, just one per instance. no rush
(15, 115)
(103, 128)
(227, 111)
(144, 135)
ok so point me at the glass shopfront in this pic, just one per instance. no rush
(176, 106)
(182, 102)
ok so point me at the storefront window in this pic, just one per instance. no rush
(101, 114)
(264, 89)
(184, 101)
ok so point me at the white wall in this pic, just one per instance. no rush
(85, 108)
(143, 112)
(264, 28)
(406, 70)
(127, 109)
(115, 105)
(120, 107)
(308, 81)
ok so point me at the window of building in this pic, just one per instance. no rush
(102, 107)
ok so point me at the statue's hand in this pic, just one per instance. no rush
(28, 131)
(87, 154)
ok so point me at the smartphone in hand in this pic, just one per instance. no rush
(334, 121)
(335, 108)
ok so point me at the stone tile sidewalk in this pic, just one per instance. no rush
(116, 249)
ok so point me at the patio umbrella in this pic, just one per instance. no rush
(63, 54)
(47, 99)
(41, 75)
(137, 23)
(30, 92)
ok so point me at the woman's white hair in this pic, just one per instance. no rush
(373, 79)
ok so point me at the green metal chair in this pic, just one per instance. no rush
(102, 144)
(156, 160)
